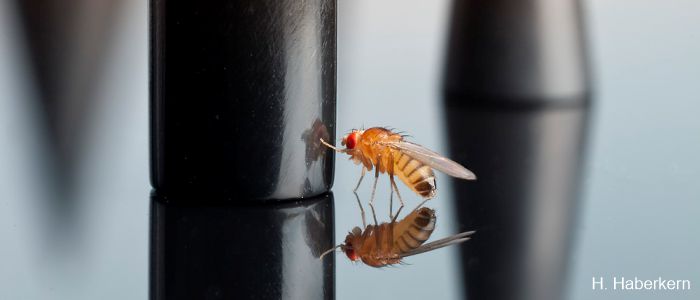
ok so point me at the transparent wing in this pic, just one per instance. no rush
(455, 239)
(434, 160)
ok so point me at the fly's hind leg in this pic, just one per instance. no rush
(390, 171)
(421, 204)
(396, 188)
(391, 204)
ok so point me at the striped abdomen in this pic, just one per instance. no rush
(415, 174)
(414, 230)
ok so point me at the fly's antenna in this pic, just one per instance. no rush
(331, 146)
(329, 251)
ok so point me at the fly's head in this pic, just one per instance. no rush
(351, 139)
(353, 242)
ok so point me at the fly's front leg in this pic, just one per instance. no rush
(362, 211)
(364, 170)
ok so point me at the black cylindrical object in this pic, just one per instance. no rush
(517, 105)
(206, 249)
(241, 92)
(517, 52)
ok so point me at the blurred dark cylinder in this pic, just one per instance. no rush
(523, 204)
(516, 101)
(518, 52)
(241, 92)
(260, 250)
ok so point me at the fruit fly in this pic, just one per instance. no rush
(387, 152)
(388, 243)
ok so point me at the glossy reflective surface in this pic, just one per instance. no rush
(244, 251)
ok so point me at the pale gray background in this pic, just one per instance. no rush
(639, 215)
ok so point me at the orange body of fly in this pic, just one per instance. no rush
(387, 152)
(387, 243)
(372, 150)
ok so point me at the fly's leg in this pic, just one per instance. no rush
(396, 188)
(421, 204)
(398, 212)
(362, 211)
(374, 215)
(374, 189)
(364, 169)
(391, 204)
(390, 171)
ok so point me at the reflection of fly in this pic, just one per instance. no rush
(388, 152)
(388, 243)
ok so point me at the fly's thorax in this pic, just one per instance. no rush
(378, 250)
(372, 145)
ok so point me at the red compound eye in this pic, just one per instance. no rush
(351, 254)
(352, 140)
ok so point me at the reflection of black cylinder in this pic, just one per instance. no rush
(516, 95)
(241, 91)
(250, 251)
(523, 204)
